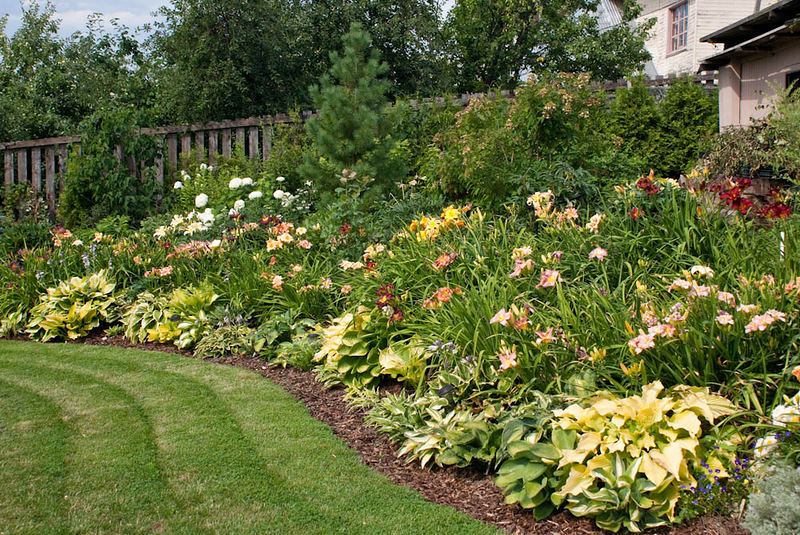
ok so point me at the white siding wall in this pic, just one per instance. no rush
(758, 72)
(705, 16)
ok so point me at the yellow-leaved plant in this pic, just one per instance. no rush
(73, 308)
(622, 461)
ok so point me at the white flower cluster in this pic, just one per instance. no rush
(188, 224)
(787, 413)
(237, 182)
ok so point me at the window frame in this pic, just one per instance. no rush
(674, 32)
(792, 76)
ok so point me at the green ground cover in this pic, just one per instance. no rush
(123, 441)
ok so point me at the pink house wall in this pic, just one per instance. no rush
(744, 84)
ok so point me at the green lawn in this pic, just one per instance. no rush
(109, 440)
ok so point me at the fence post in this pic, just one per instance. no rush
(22, 166)
(172, 151)
(8, 160)
(252, 136)
(186, 149)
(36, 169)
(267, 142)
(213, 149)
(200, 142)
(240, 138)
(226, 142)
(50, 179)
(62, 166)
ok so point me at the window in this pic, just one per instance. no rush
(678, 27)
(793, 80)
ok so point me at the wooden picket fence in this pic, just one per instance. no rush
(41, 163)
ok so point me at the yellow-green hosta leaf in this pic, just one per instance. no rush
(687, 420)
(604, 407)
(589, 441)
(572, 457)
(708, 405)
(655, 473)
(580, 478)
(670, 457)
(570, 415)
(600, 462)
(714, 464)
(650, 392)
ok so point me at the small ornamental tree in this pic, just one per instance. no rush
(689, 118)
(352, 131)
(636, 120)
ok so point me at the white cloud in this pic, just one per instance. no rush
(73, 15)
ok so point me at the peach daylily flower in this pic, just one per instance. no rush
(680, 284)
(723, 318)
(508, 358)
(549, 278)
(598, 253)
(544, 337)
(502, 317)
(277, 282)
(642, 342)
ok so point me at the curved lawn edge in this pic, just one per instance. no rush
(238, 453)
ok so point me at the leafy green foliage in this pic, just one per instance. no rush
(113, 174)
(769, 144)
(430, 430)
(224, 341)
(250, 67)
(23, 235)
(73, 308)
(635, 118)
(494, 43)
(689, 117)
(191, 306)
(406, 361)
(546, 138)
(299, 351)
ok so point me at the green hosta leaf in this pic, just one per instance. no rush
(519, 469)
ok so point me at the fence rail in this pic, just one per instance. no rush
(43, 162)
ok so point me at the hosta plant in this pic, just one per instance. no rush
(73, 308)
(148, 312)
(224, 341)
(13, 323)
(351, 350)
(622, 461)
(430, 430)
(187, 313)
(405, 361)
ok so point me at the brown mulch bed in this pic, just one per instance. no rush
(468, 490)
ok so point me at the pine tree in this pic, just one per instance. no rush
(352, 130)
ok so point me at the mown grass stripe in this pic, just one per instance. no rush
(360, 502)
(112, 481)
(246, 456)
(33, 444)
(216, 474)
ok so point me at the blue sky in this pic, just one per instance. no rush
(73, 13)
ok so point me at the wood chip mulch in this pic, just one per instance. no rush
(469, 490)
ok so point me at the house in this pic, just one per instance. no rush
(674, 41)
(760, 52)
